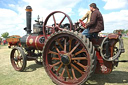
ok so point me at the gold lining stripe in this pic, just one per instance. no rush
(36, 42)
(27, 39)
(28, 10)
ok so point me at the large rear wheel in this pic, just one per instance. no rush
(69, 58)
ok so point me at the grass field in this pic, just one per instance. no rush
(36, 75)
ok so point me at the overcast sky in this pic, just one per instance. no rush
(12, 12)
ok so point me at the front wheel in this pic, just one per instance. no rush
(69, 58)
(18, 59)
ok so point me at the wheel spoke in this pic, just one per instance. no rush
(59, 44)
(55, 58)
(62, 20)
(70, 44)
(77, 68)
(17, 64)
(14, 55)
(68, 72)
(74, 48)
(21, 62)
(59, 67)
(51, 52)
(84, 67)
(73, 73)
(54, 64)
(54, 19)
(65, 45)
(18, 53)
(56, 49)
(79, 58)
(111, 50)
(62, 73)
(82, 50)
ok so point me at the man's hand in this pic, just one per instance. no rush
(85, 26)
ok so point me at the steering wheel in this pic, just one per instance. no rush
(82, 23)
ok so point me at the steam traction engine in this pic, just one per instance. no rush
(68, 56)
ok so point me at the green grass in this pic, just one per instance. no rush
(36, 75)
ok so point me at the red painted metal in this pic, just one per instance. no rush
(33, 42)
(103, 67)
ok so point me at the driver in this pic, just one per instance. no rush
(96, 23)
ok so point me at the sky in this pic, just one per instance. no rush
(13, 15)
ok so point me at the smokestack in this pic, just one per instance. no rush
(28, 19)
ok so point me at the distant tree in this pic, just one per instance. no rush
(114, 31)
(5, 34)
(126, 31)
(0, 39)
(123, 31)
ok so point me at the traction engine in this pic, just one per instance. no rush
(68, 57)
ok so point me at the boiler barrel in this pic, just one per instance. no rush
(33, 41)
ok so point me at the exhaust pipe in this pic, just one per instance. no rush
(28, 19)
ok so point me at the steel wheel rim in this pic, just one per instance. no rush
(58, 77)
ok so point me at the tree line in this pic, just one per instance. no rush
(123, 31)
(5, 35)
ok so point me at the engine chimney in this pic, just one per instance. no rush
(28, 19)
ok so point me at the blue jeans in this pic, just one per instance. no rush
(89, 35)
(86, 33)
